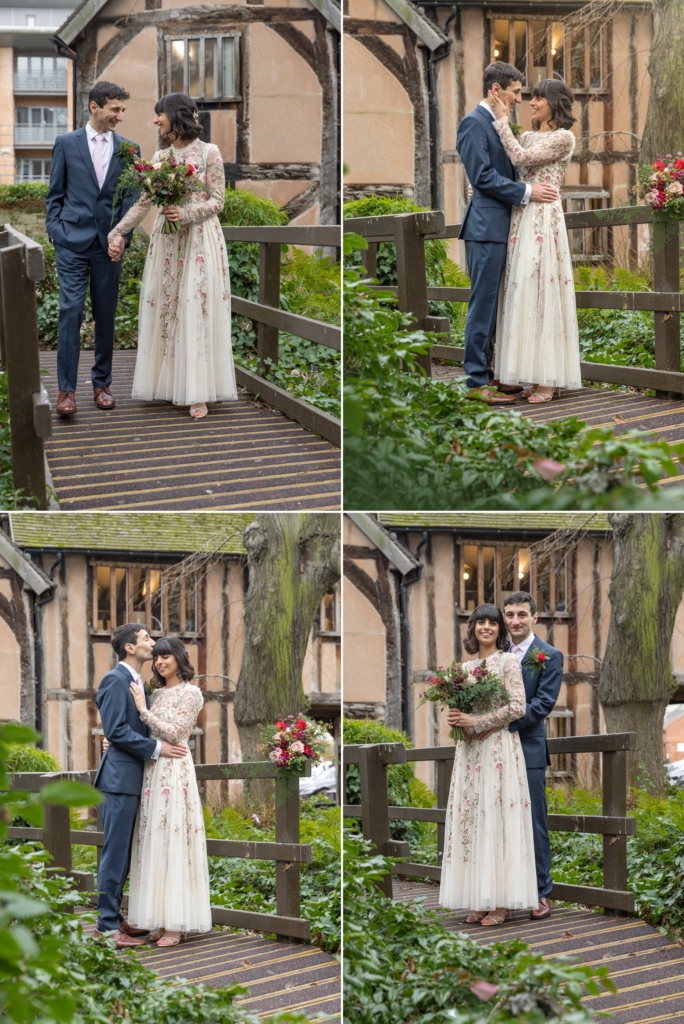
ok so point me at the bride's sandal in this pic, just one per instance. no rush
(198, 411)
(166, 941)
(494, 919)
(537, 397)
(474, 917)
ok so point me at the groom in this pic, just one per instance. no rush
(542, 679)
(120, 777)
(86, 166)
(486, 223)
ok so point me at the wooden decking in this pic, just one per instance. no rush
(626, 412)
(647, 967)
(281, 976)
(152, 456)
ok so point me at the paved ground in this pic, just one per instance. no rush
(281, 976)
(647, 967)
(151, 455)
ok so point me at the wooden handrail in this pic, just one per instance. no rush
(287, 852)
(614, 825)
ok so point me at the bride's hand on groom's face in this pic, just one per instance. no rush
(498, 105)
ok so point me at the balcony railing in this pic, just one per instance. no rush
(37, 134)
(40, 81)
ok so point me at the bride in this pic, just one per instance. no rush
(184, 348)
(169, 886)
(488, 863)
(537, 338)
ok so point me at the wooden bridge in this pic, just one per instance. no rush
(646, 966)
(152, 455)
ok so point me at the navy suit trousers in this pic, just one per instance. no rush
(486, 262)
(75, 271)
(536, 780)
(118, 820)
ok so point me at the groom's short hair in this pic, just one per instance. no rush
(522, 597)
(501, 73)
(103, 91)
(126, 634)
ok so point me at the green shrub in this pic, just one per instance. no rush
(402, 964)
(27, 195)
(23, 758)
(412, 442)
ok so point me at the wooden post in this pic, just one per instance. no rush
(28, 405)
(287, 831)
(269, 294)
(369, 259)
(666, 279)
(412, 274)
(375, 820)
(615, 805)
(57, 836)
(443, 770)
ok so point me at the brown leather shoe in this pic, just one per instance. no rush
(121, 940)
(490, 396)
(104, 399)
(506, 389)
(543, 910)
(124, 926)
(66, 404)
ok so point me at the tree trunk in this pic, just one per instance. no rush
(664, 130)
(294, 560)
(645, 593)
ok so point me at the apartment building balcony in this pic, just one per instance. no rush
(51, 82)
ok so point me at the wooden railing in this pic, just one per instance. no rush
(410, 231)
(376, 813)
(271, 319)
(288, 853)
(21, 266)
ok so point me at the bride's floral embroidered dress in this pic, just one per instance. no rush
(184, 349)
(488, 841)
(169, 845)
(537, 337)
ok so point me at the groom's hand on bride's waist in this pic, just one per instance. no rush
(544, 194)
(172, 749)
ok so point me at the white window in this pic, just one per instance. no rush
(204, 67)
(30, 21)
(680, 748)
(33, 169)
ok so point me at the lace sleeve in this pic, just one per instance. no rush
(543, 148)
(136, 214)
(215, 191)
(183, 720)
(511, 673)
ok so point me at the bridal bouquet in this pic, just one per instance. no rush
(661, 186)
(483, 691)
(167, 182)
(293, 741)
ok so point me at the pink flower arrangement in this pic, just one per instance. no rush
(661, 186)
(293, 741)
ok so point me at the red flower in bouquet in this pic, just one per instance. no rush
(660, 185)
(293, 741)
(658, 165)
(474, 692)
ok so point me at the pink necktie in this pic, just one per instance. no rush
(97, 159)
(515, 649)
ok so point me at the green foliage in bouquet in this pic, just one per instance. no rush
(453, 688)
(402, 964)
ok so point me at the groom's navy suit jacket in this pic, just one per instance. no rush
(121, 767)
(77, 209)
(541, 693)
(494, 179)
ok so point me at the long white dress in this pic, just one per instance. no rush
(488, 857)
(537, 338)
(169, 885)
(184, 323)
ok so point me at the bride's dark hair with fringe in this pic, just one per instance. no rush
(491, 612)
(183, 116)
(560, 98)
(171, 645)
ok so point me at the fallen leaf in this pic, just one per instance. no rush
(411, 965)
(613, 840)
(449, 458)
(618, 418)
(568, 935)
(666, 316)
(246, 963)
(629, 954)
(402, 976)
(483, 990)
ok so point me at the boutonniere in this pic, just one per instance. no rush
(127, 152)
(516, 129)
(148, 689)
(536, 660)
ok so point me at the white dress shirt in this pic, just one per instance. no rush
(138, 680)
(107, 147)
(523, 647)
(528, 188)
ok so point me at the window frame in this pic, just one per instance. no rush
(45, 176)
(550, 20)
(206, 102)
(99, 563)
(517, 547)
